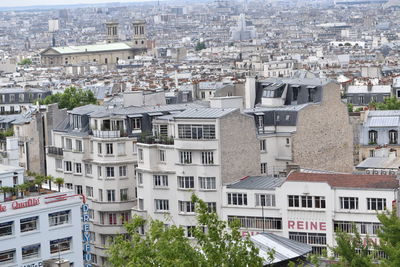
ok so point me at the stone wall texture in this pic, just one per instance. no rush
(324, 135)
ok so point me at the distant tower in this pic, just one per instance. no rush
(112, 32)
(139, 34)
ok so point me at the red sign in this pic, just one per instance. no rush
(307, 225)
(3, 208)
(26, 204)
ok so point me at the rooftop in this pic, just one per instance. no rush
(204, 113)
(347, 180)
(257, 182)
(91, 48)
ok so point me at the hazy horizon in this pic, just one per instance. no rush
(27, 3)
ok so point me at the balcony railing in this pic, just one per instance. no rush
(52, 150)
(106, 134)
(164, 140)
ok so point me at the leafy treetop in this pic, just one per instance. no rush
(70, 98)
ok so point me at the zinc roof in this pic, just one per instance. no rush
(383, 122)
(257, 182)
(204, 113)
(92, 48)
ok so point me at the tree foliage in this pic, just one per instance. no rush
(168, 246)
(200, 46)
(71, 98)
(25, 61)
(390, 103)
(389, 235)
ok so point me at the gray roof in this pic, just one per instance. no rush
(383, 122)
(257, 182)
(380, 163)
(284, 248)
(204, 113)
(282, 108)
(87, 109)
(20, 90)
(299, 81)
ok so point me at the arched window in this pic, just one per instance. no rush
(392, 137)
(372, 137)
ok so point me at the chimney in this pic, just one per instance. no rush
(369, 86)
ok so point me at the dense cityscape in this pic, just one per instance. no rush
(275, 121)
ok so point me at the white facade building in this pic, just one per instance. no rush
(38, 228)
(310, 207)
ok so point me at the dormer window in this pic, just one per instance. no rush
(372, 137)
(392, 137)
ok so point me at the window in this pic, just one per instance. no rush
(162, 155)
(100, 194)
(140, 154)
(190, 231)
(32, 251)
(238, 199)
(376, 203)
(123, 194)
(140, 178)
(366, 228)
(266, 200)
(99, 148)
(60, 245)
(7, 256)
(121, 149)
(122, 171)
(99, 174)
(306, 201)
(136, 123)
(264, 169)
(186, 157)
(59, 218)
(372, 137)
(78, 189)
(6, 228)
(294, 201)
(88, 169)
(89, 191)
(29, 224)
(317, 240)
(186, 206)
(59, 164)
(160, 180)
(212, 206)
(207, 158)
(262, 145)
(207, 183)
(392, 137)
(372, 153)
(287, 117)
(109, 149)
(287, 141)
(188, 131)
(185, 182)
(248, 222)
(112, 218)
(349, 203)
(68, 166)
(111, 195)
(124, 217)
(162, 205)
(68, 144)
(69, 185)
(110, 172)
(78, 145)
(78, 168)
(319, 202)
(361, 99)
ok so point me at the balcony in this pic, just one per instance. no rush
(106, 134)
(56, 151)
(163, 140)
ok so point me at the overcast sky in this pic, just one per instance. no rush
(11, 3)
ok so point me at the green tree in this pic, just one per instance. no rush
(70, 98)
(352, 251)
(350, 107)
(390, 103)
(389, 238)
(59, 182)
(168, 246)
(200, 46)
(25, 61)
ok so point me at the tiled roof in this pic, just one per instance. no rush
(348, 180)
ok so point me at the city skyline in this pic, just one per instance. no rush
(27, 3)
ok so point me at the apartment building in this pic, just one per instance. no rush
(39, 228)
(17, 100)
(310, 207)
(300, 121)
(95, 150)
(378, 128)
(194, 151)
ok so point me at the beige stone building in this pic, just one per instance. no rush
(301, 122)
(99, 54)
